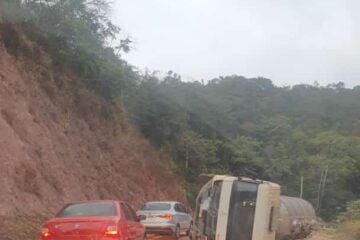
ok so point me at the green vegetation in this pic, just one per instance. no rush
(349, 222)
(352, 212)
(251, 127)
(231, 124)
(79, 36)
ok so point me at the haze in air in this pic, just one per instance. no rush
(290, 42)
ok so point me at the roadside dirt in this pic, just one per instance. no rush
(320, 236)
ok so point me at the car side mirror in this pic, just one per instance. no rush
(141, 217)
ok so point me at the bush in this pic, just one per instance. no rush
(349, 222)
(352, 212)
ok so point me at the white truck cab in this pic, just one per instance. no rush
(237, 208)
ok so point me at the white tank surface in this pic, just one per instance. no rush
(297, 219)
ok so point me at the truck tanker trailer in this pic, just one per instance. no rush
(297, 218)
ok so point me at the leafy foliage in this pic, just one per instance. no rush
(250, 127)
(352, 212)
(349, 222)
(80, 36)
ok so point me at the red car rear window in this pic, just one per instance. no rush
(88, 209)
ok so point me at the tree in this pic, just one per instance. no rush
(196, 151)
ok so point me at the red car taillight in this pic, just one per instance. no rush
(113, 231)
(45, 233)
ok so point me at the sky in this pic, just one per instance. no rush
(287, 41)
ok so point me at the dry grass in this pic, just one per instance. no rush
(349, 230)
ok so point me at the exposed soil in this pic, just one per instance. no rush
(60, 142)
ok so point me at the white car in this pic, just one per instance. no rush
(166, 217)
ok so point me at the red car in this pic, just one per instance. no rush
(94, 220)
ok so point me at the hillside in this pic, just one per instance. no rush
(249, 126)
(61, 142)
(77, 121)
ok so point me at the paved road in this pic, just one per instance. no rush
(160, 237)
(315, 236)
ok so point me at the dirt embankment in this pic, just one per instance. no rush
(60, 142)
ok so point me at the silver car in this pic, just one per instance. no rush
(166, 218)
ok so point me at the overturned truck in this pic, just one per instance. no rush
(233, 208)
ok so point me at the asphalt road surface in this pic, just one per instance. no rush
(315, 236)
(165, 237)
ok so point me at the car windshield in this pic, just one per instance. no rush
(88, 209)
(156, 207)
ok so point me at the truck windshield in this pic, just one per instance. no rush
(241, 211)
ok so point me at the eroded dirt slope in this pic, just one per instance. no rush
(59, 142)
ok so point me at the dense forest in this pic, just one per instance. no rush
(250, 127)
(228, 125)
